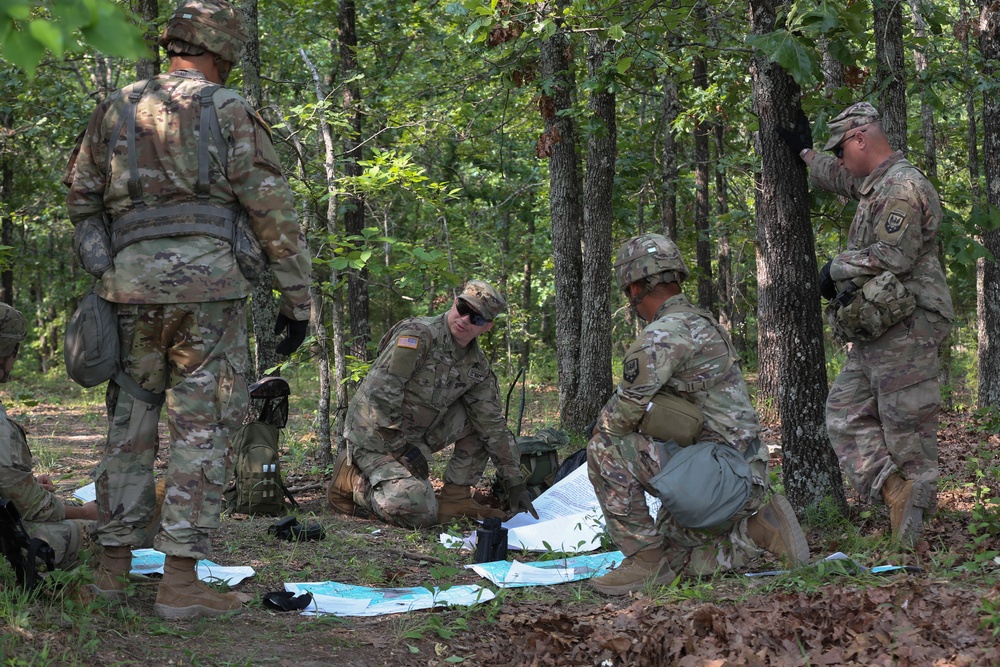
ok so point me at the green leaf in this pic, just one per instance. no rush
(24, 51)
(48, 35)
(624, 64)
(616, 32)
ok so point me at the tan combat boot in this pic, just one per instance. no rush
(111, 575)
(340, 490)
(455, 502)
(775, 528)
(181, 595)
(648, 567)
(906, 502)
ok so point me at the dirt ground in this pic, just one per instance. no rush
(948, 614)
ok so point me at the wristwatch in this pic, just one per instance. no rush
(802, 153)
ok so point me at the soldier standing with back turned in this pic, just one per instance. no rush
(168, 168)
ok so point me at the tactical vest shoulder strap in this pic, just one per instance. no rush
(703, 385)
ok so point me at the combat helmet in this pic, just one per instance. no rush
(213, 25)
(12, 329)
(650, 257)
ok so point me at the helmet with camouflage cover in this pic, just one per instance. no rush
(648, 257)
(12, 329)
(213, 25)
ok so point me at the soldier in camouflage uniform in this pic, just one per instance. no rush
(882, 411)
(66, 528)
(684, 354)
(430, 386)
(173, 161)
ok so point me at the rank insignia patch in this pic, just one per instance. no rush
(409, 342)
(630, 371)
(477, 375)
(894, 222)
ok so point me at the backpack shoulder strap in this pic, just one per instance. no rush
(707, 383)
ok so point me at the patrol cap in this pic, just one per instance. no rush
(856, 115)
(485, 298)
(12, 329)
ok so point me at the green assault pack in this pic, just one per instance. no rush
(539, 458)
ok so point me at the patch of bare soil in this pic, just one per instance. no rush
(935, 617)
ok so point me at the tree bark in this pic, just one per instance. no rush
(149, 12)
(724, 253)
(565, 210)
(595, 331)
(354, 204)
(702, 128)
(792, 376)
(668, 160)
(890, 72)
(989, 292)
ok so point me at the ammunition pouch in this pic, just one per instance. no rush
(670, 417)
(92, 245)
(867, 307)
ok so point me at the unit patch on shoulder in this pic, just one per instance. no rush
(894, 222)
(409, 342)
(477, 374)
(630, 371)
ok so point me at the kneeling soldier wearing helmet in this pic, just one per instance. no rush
(681, 392)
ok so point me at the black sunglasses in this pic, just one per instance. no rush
(838, 150)
(475, 318)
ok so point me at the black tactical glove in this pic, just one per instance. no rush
(589, 429)
(519, 500)
(296, 329)
(827, 287)
(414, 461)
(799, 138)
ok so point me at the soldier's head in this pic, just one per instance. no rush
(12, 332)
(206, 26)
(857, 139)
(645, 262)
(473, 311)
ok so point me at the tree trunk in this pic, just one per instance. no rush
(833, 70)
(703, 243)
(565, 210)
(595, 332)
(354, 204)
(890, 73)
(724, 251)
(149, 12)
(989, 292)
(526, 305)
(263, 308)
(7, 203)
(668, 161)
(792, 364)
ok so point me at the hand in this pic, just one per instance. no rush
(45, 482)
(414, 461)
(297, 330)
(87, 511)
(827, 287)
(520, 500)
(590, 429)
(799, 138)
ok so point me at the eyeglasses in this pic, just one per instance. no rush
(475, 318)
(838, 150)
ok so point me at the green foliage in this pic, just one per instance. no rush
(28, 30)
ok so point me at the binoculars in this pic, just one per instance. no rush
(491, 542)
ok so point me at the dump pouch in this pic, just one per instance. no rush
(671, 417)
(92, 244)
(864, 312)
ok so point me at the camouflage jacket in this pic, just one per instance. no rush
(188, 269)
(17, 481)
(894, 229)
(420, 372)
(682, 347)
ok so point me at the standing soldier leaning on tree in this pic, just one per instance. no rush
(889, 300)
(169, 172)
(680, 426)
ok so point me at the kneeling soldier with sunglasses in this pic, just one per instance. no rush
(430, 387)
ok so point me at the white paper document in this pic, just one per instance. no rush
(331, 597)
(86, 493)
(547, 573)
(148, 561)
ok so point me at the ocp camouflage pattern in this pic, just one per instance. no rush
(193, 268)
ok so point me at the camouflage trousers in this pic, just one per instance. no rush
(882, 410)
(620, 469)
(391, 492)
(66, 537)
(197, 352)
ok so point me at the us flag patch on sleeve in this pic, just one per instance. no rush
(409, 342)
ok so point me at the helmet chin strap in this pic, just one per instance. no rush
(225, 68)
